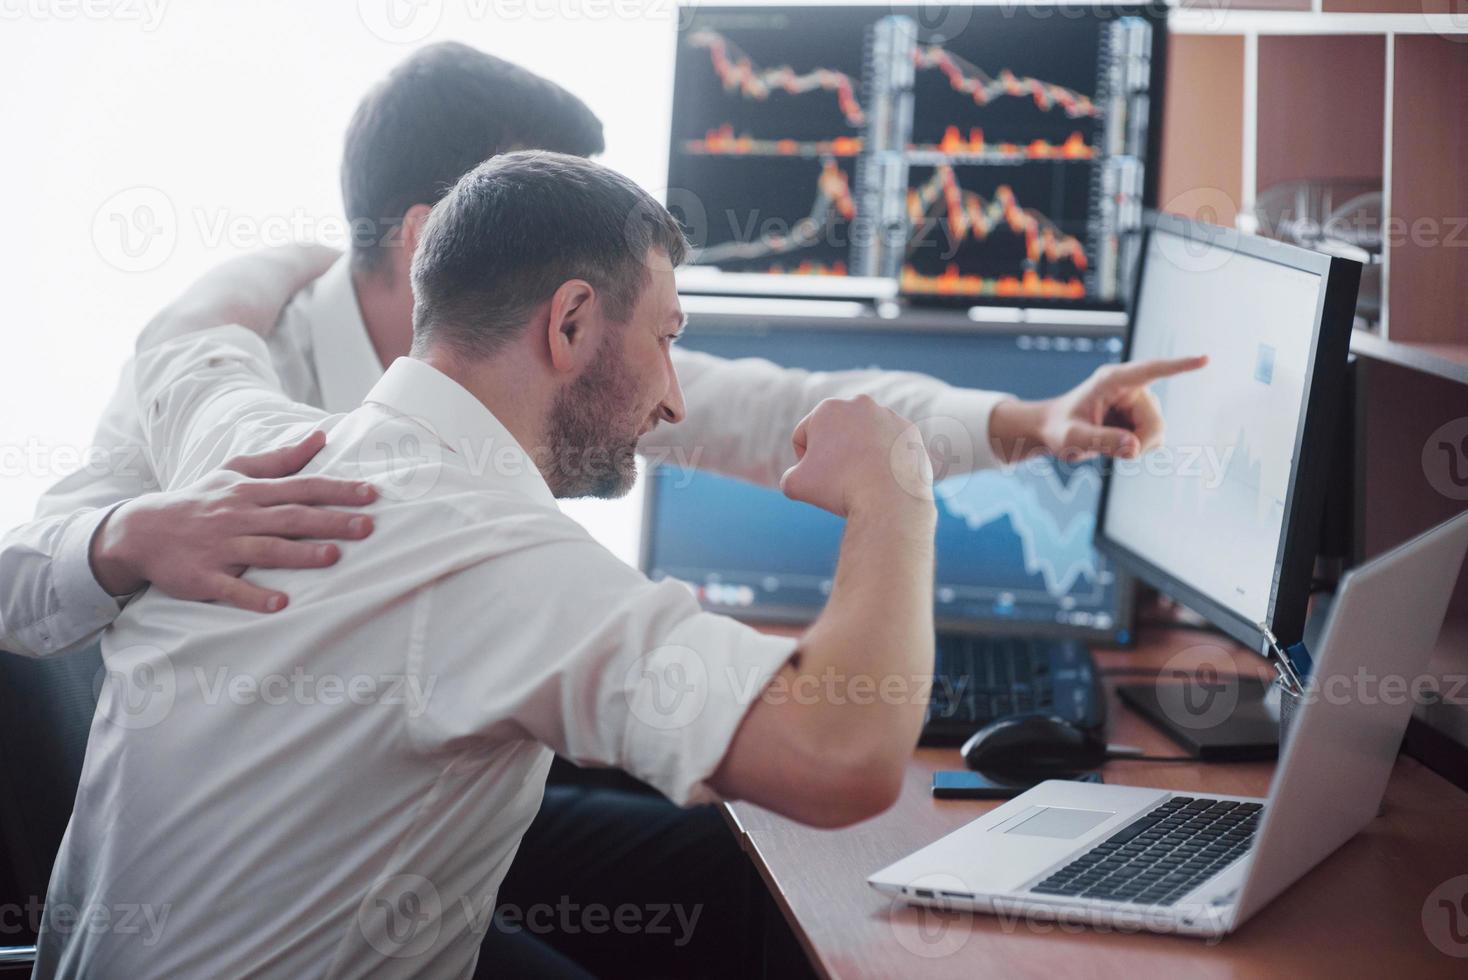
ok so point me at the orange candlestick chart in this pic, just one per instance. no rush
(964, 214)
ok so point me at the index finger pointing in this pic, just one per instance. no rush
(1145, 372)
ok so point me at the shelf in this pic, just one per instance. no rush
(1205, 19)
(1449, 361)
(1427, 233)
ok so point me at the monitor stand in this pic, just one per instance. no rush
(1249, 732)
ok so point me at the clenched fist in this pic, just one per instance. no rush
(852, 454)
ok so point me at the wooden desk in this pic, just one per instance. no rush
(1360, 913)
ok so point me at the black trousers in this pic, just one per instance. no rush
(613, 882)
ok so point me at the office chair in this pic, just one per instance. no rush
(46, 709)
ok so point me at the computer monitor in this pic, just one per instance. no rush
(970, 153)
(1226, 517)
(1014, 549)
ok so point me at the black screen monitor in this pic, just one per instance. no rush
(1014, 548)
(1225, 517)
(965, 153)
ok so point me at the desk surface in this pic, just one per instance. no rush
(1361, 912)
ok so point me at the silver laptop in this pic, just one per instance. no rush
(1202, 864)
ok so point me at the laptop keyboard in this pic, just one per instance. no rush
(1161, 856)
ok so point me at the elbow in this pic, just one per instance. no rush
(859, 788)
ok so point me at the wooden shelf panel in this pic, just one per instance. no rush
(1202, 130)
(1427, 237)
(1316, 121)
(1447, 361)
(1297, 6)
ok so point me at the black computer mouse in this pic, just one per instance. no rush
(1034, 745)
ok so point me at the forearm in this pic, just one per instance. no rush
(250, 291)
(51, 602)
(741, 414)
(1015, 429)
(872, 646)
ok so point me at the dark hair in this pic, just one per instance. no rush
(436, 116)
(518, 226)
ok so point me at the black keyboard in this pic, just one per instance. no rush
(980, 678)
(1160, 857)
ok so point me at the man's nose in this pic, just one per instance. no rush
(672, 408)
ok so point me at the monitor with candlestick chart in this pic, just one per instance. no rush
(978, 153)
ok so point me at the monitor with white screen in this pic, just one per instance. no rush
(1225, 516)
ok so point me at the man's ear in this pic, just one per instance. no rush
(574, 325)
(413, 221)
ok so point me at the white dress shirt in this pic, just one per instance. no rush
(740, 418)
(338, 789)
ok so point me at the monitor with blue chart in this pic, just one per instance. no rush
(1014, 548)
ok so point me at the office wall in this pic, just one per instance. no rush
(220, 123)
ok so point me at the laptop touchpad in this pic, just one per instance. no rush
(1059, 822)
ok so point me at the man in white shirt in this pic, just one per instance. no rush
(337, 789)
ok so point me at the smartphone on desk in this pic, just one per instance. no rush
(965, 784)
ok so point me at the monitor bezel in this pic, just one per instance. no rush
(1324, 385)
(859, 288)
(1121, 634)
